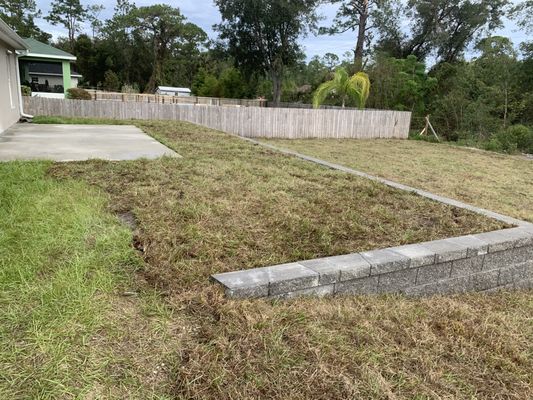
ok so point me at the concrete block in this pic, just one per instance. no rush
(527, 284)
(475, 246)
(368, 285)
(290, 277)
(467, 266)
(502, 259)
(317, 291)
(419, 255)
(506, 239)
(499, 288)
(397, 281)
(516, 273)
(446, 250)
(339, 268)
(460, 284)
(245, 283)
(385, 260)
(485, 280)
(432, 273)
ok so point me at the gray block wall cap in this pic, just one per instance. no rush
(506, 239)
(446, 250)
(385, 260)
(419, 255)
(475, 245)
(244, 278)
(290, 277)
(339, 268)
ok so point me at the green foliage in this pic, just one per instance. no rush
(111, 81)
(78, 94)
(514, 138)
(130, 88)
(274, 25)
(68, 13)
(20, 16)
(356, 88)
(400, 84)
(25, 90)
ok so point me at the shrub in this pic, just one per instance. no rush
(25, 90)
(133, 88)
(111, 81)
(515, 137)
(78, 94)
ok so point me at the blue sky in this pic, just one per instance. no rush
(205, 14)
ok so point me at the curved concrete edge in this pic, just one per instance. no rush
(488, 261)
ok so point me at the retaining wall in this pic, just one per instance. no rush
(489, 261)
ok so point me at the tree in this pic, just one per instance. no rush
(400, 84)
(441, 28)
(523, 14)
(345, 87)
(164, 28)
(111, 81)
(262, 35)
(70, 14)
(20, 15)
(359, 16)
(93, 16)
(447, 27)
(498, 70)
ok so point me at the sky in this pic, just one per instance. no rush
(204, 14)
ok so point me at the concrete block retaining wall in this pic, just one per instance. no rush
(483, 262)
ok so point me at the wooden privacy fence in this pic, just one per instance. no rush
(253, 122)
(166, 99)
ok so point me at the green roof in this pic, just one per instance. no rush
(43, 50)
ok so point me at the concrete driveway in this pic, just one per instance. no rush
(79, 142)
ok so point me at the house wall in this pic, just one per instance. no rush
(9, 92)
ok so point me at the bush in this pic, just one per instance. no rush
(78, 94)
(25, 90)
(515, 137)
(134, 88)
(111, 81)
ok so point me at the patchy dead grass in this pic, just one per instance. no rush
(231, 205)
(497, 182)
(461, 347)
(228, 205)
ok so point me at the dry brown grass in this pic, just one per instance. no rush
(229, 205)
(497, 182)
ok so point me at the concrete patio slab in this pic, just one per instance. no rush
(79, 142)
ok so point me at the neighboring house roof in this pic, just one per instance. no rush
(10, 37)
(173, 89)
(42, 50)
(48, 68)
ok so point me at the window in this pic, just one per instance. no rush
(9, 77)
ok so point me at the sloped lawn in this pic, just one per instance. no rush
(228, 205)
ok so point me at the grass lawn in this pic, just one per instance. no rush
(228, 205)
(497, 182)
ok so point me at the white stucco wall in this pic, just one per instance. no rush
(9, 92)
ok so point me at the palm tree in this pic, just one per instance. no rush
(342, 85)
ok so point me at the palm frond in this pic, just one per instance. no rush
(323, 91)
(361, 83)
(356, 87)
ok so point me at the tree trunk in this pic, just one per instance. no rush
(361, 35)
(276, 87)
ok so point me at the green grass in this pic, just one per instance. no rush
(63, 262)
(497, 182)
(229, 205)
